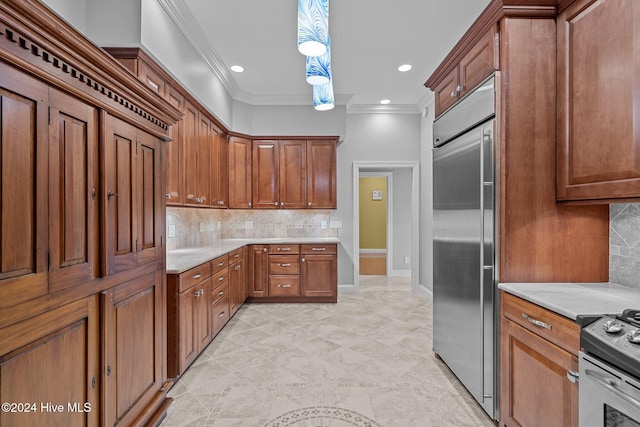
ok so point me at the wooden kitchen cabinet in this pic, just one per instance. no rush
(133, 201)
(598, 83)
(258, 281)
(319, 271)
(219, 301)
(190, 122)
(82, 305)
(240, 173)
(218, 168)
(54, 358)
(265, 173)
(321, 174)
(237, 280)
(174, 154)
(189, 326)
(472, 69)
(133, 338)
(535, 366)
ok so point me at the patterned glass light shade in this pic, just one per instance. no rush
(313, 26)
(323, 97)
(319, 67)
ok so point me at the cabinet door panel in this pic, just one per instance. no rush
(119, 196)
(239, 173)
(219, 171)
(132, 334)
(201, 323)
(446, 92)
(203, 161)
(187, 344)
(258, 271)
(599, 79)
(52, 358)
(531, 367)
(479, 63)
(149, 210)
(319, 275)
(73, 183)
(321, 175)
(190, 154)
(293, 174)
(23, 187)
(174, 158)
(266, 183)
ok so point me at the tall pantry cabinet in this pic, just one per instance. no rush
(82, 283)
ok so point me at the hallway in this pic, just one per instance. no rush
(366, 361)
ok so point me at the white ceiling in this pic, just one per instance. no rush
(369, 40)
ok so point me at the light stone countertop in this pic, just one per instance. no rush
(181, 260)
(572, 299)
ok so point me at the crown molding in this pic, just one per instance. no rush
(383, 109)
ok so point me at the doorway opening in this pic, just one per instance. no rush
(363, 168)
(376, 223)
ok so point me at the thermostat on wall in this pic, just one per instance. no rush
(377, 195)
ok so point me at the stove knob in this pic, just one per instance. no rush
(634, 336)
(612, 326)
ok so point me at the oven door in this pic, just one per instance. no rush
(608, 398)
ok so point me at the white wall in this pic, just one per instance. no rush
(298, 120)
(72, 11)
(401, 218)
(369, 137)
(426, 199)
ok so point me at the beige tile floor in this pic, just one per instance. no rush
(365, 361)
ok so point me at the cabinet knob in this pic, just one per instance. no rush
(220, 293)
(276, 203)
(309, 204)
(282, 204)
(93, 194)
(459, 88)
(220, 279)
(110, 195)
(237, 267)
(249, 203)
(454, 94)
(222, 314)
(264, 250)
(168, 195)
(303, 260)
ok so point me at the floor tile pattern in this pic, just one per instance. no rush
(365, 361)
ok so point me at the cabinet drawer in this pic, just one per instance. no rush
(553, 327)
(282, 285)
(193, 276)
(219, 263)
(236, 255)
(284, 249)
(219, 314)
(284, 264)
(319, 249)
(221, 276)
(219, 292)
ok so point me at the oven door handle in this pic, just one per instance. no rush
(612, 385)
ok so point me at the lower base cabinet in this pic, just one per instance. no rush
(49, 366)
(133, 336)
(536, 364)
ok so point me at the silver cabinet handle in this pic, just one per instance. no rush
(220, 264)
(264, 250)
(249, 203)
(573, 376)
(459, 88)
(220, 293)
(309, 204)
(454, 94)
(276, 203)
(220, 279)
(222, 314)
(197, 276)
(110, 195)
(283, 286)
(318, 249)
(198, 293)
(284, 249)
(536, 322)
(168, 195)
(284, 265)
(236, 256)
(303, 260)
(237, 267)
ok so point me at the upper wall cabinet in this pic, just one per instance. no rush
(321, 175)
(239, 156)
(598, 103)
(476, 65)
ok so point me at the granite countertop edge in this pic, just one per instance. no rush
(574, 299)
(183, 259)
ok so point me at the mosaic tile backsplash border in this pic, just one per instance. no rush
(624, 244)
(188, 227)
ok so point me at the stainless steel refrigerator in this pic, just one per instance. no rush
(464, 277)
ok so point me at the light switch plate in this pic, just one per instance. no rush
(335, 224)
(172, 230)
(299, 224)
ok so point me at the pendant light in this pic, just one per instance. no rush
(323, 97)
(319, 67)
(313, 26)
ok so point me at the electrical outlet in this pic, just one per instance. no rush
(202, 227)
(335, 224)
(299, 224)
(323, 224)
(248, 224)
(172, 230)
(407, 260)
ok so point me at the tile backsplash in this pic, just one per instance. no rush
(187, 227)
(624, 244)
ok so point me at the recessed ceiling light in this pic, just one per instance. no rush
(404, 68)
(237, 68)
(385, 101)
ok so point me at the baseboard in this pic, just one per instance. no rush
(400, 273)
(425, 292)
(346, 289)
